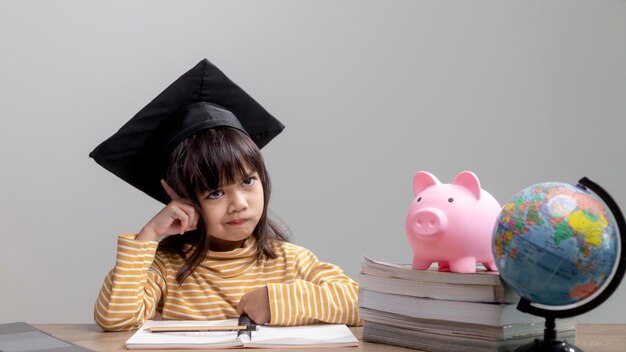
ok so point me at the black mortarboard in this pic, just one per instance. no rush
(200, 99)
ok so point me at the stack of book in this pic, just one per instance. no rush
(441, 311)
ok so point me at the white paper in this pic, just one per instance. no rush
(329, 335)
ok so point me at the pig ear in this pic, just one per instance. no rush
(468, 180)
(423, 180)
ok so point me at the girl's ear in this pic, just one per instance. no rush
(423, 180)
(169, 190)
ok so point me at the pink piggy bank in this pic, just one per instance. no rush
(452, 223)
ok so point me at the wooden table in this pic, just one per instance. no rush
(589, 337)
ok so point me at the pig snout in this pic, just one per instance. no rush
(429, 222)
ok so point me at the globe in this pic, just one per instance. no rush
(555, 244)
(562, 248)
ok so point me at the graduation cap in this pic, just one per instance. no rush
(200, 99)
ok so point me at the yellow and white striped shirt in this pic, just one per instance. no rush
(302, 290)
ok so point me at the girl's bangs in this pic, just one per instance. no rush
(228, 158)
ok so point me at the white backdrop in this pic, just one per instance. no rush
(370, 92)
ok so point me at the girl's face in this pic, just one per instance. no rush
(232, 212)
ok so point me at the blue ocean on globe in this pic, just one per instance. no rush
(555, 244)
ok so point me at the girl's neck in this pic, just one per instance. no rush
(219, 245)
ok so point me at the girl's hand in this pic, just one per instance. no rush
(178, 217)
(256, 304)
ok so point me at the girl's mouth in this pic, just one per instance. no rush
(236, 222)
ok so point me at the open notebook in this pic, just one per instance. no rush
(323, 335)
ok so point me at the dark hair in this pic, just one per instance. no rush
(209, 160)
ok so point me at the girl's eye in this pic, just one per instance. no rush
(215, 194)
(248, 182)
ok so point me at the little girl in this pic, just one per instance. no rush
(211, 253)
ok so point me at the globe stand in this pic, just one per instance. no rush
(550, 343)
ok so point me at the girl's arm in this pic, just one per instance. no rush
(320, 292)
(132, 290)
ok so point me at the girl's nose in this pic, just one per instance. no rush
(238, 202)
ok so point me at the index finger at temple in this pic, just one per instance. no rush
(169, 190)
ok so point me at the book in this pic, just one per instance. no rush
(440, 311)
(405, 271)
(438, 342)
(24, 337)
(317, 336)
(439, 290)
(488, 332)
(492, 314)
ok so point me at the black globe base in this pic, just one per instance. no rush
(549, 342)
(548, 346)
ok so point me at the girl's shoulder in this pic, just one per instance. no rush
(290, 249)
(285, 245)
(168, 258)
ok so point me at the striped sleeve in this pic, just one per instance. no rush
(320, 292)
(132, 290)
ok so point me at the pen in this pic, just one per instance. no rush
(216, 328)
(244, 329)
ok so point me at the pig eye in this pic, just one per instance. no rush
(418, 199)
(450, 200)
